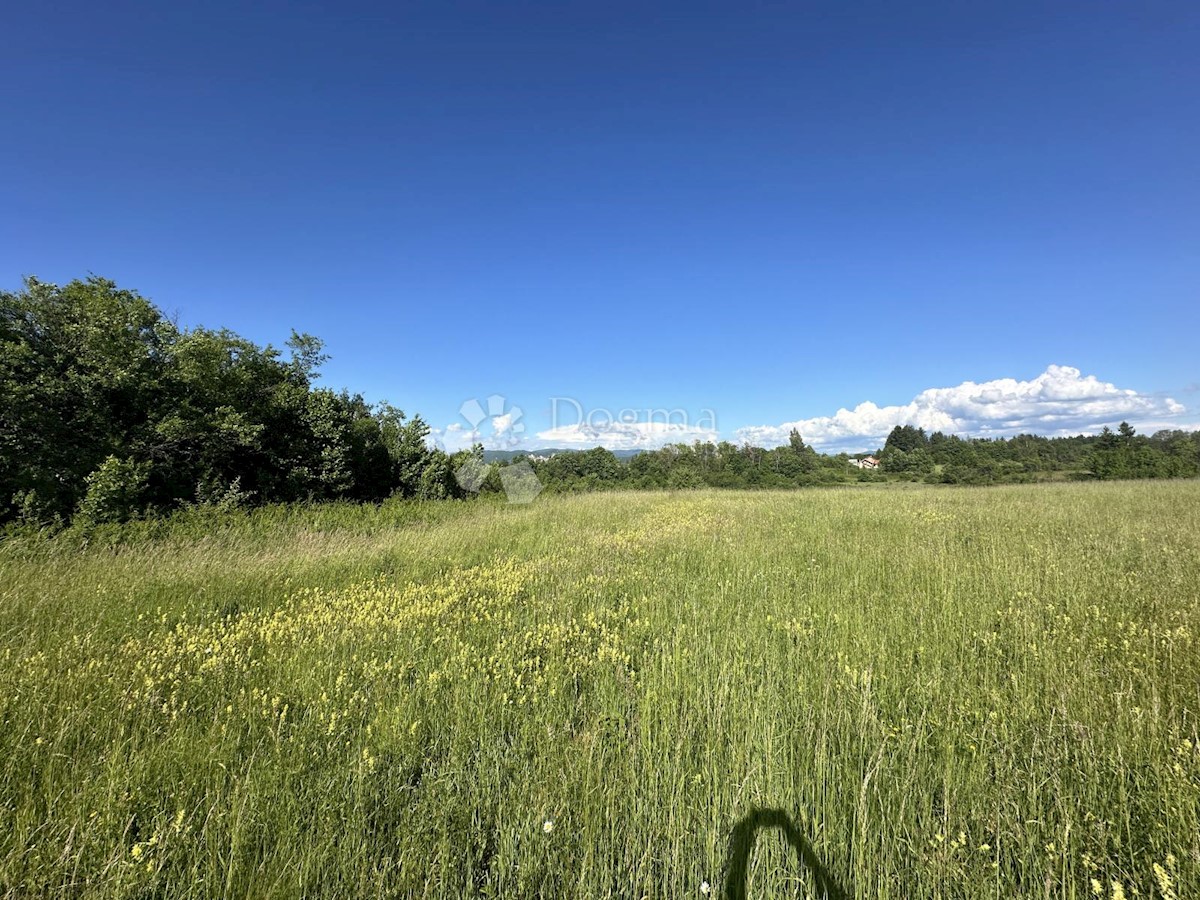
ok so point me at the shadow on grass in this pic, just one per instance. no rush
(741, 845)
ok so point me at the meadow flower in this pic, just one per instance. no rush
(705, 887)
(548, 826)
(1166, 886)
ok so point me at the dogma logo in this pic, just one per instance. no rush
(518, 480)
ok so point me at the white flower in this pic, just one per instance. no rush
(705, 887)
(548, 826)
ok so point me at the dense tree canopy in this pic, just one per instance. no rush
(909, 454)
(108, 409)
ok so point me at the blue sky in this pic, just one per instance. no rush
(769, 211)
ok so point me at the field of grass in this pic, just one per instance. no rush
(901, 693)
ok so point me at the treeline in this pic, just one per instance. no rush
(108, 410)
(1026, 457)
(909, 454)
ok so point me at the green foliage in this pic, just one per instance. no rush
(909, 456)
(80, 366)
(906, 438)
(1125, 454)
(405, 442)
(917, 461)
(583, 470)
(107, 408)
(224, 497)
(436, 481)
(684, 478)
(114, 491)
(307, 354)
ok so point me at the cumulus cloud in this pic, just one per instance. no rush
(497, 432)
(619, 435)
(453, 437)
(1061, 401)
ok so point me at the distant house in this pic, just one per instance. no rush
(867, 462)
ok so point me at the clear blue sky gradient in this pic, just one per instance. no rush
(770, 210)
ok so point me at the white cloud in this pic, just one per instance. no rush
(453, 437)
(1060, 401)
(617, 435)
(502, 432)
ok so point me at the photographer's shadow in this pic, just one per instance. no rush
(741, 845)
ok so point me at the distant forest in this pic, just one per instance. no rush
(110, 411)
(909, 454)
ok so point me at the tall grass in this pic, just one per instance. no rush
(869, 693)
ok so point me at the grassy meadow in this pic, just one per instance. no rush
(893, 693)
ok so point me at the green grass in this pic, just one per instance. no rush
(926, 692)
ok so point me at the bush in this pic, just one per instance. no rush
(114, 491)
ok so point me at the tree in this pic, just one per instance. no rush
(98, 390)
(914, 462)
(906, 438)
(81, 367)
(307, 355)
(407, 449)
(114, 491)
